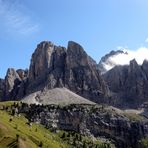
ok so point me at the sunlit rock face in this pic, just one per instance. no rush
(54, 66)
(57, 67)
(82, 75)
(47, 66)
(116, 81)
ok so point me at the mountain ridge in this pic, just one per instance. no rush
(56, 67)
(128, 84)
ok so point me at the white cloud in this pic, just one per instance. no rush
(146, 40)
(140, 55)
(14, 19)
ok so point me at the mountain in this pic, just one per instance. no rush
(127, 79)
(91, 126)
(53, 66)
(107, 62)
(128, 84)
(2, 84)
(16, 131)
(74, 76)
(56, 67)
(67, 92)
(15, 84)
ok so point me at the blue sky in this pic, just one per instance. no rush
(98, 25)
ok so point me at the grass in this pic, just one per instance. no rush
(16, 132)
(134, 116)
(8, 103)
(144, 143)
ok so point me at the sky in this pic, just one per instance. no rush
(98, 25)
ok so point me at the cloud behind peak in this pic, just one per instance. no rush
(124, 58)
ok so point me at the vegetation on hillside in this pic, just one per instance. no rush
(17, 132)
(144, 143)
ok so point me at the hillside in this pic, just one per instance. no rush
(17, 132)
(79, 125)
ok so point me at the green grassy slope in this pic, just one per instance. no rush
(16, 132)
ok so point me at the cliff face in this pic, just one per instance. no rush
(47, 67)
(14, 84)
(54, 67)
(2, 85)
(128, 84)
(82, 75)
(58, 67)
(98, 121)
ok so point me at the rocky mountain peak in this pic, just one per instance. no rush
(44, 45)
(134, 67)
(136, 70)
(11, 72)
(76, 48)
(46, 66)
(23, 74)
(145, 62)
(71, 68)
(55, 66)
(40, 61)
(133, 63)
(76, 56)
(12, 79)
(82, 75)
(129, 83)
(145, 67)
(2, 88)
(106, 63)
(112, 53)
